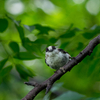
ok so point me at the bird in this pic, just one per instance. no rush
(56, 58)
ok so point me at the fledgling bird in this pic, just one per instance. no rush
(56, 58)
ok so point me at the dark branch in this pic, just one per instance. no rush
(49, 85)
(31, 83)
(49, 82)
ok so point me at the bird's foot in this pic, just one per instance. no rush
(62, 69)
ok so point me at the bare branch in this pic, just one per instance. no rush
(49, 82)
(31, 83)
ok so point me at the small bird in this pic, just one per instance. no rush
(56, 58)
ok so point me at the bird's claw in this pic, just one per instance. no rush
(62, 69)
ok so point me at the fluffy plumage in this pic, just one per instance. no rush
(56, 58)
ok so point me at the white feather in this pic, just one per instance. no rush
(56, 59)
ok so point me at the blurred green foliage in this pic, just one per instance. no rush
(27, 27)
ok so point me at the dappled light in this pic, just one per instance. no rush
(93, 7)
(46, 5)
(78, 1)
(16, 6)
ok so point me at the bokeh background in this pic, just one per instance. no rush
(27, 27)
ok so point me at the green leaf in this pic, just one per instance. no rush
(63, 45)
(42, 40)
(29, 45)
(70, 96)
(43, 29)
(24, 72)
(92, 67)
(92, 98)
(30, 28)
(93, 27)
(5, 71)
(16, 22)
(2, 63)
(80, 45)
(14, 46)
(25, 56)
(18, 26)
(32, 47)
(56, 87)
(69, 33)
(92, 32)
(53, 40)
(21, 31)
(70, 27)
(89, 34)
(3, 24)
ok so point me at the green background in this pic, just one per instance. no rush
(27, 27)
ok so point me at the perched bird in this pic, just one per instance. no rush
(56, 58)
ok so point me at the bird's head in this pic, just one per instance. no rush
(50, 49)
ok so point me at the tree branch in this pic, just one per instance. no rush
(49, 82)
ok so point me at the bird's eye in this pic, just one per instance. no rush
(50, 48)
